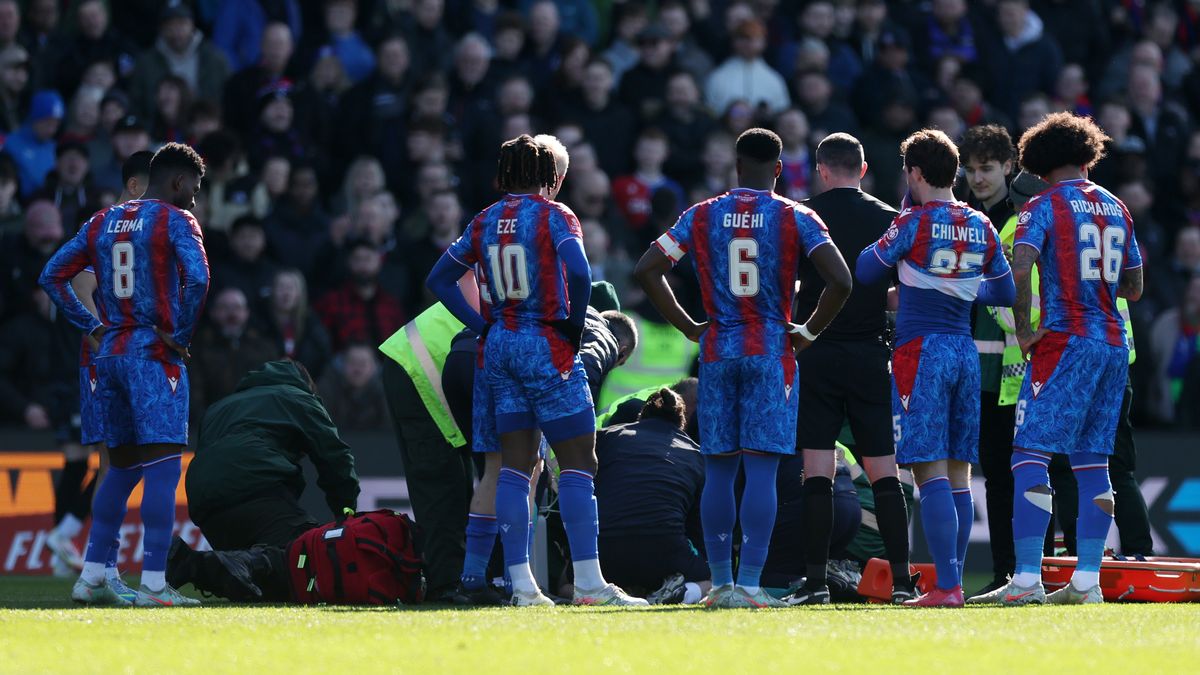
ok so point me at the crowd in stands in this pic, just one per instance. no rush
(348, 142)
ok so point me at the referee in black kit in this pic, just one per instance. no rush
(845, 374)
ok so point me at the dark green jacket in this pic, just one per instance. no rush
(251, 443)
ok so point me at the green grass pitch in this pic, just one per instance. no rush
(42, 633)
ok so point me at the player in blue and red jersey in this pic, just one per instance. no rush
(135, 173)
(947, 256)
(1081, 238)
(747, 245)
(152, 278)
(527, 251)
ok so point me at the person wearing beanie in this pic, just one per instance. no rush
(32, 146)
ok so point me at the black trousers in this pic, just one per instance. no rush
(996, 424)
(440, 481)
(1129, 507)
(273, 518)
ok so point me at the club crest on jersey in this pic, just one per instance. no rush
(892, 232)
(1023, 218)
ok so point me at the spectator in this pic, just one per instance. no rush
(275, 132)
(1172, 276)
(94, 39)
(445, 216)
(10, 22)
(1174, 344)
(316, 100)
(245, 86)
(24, 254)
(349, 47)
(796, 179)
(225, 350)
(427, 36)
(889, 72)
(509, 41)
(870, 23)
(246, 269)
(632, 192)
(14, 80)
(38, 378)
(1080, 30)
(128, 136)
(966, 95)
(745, 75)
(1071, 90)
(601, 116)
(291, 323)
(1163, 127)
(686, 123)
(241, 26)
(32, 146)
(1020, 60)
(947, 31)
(371, 116)
(83, 115)
(631, 19)
(689, 56)
(718, 162)
(817, 22)
(352, 390)
(826, 115)
(1031, 110)
(470, 80)
(67, 186)
(644, 86)
(361, 310)
(11, 220)
(180, 50)
(244, 484)
(574, 17)
(298, 228)
(172, 101)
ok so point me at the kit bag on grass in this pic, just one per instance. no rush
(368, 559)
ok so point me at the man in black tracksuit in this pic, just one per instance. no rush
(244, 483)
(845, 375)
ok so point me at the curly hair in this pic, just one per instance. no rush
(1061, 139)
(524, 163)
(986, 143)
(666, 405)
(931, 151)
(174, 158)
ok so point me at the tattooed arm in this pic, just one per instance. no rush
(1024, 256)
(1130, 284)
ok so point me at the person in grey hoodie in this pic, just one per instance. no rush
(179, 50)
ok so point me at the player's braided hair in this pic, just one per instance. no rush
(525, 163)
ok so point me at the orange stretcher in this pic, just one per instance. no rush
(1149, 580)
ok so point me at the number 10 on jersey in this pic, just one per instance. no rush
(510, 273)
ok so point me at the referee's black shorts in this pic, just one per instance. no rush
(840, 380)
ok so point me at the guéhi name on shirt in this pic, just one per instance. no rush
(744, 221)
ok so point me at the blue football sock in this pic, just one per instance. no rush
(1091, 474)
(533, 516)
(481, 538)
(577, 501)
(1032, 507)
(158, 510)
(966, 518)
(718, 512)
(108, 511)
(757, 515)
(512, 515)
(940, 521)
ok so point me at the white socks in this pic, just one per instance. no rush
(750, 590)
(522, 578)
(588, 575)
(1082, 581)
(1026, 579)
(112, 573)
(155, 581)
(70, 526)
(692, 593)
(93, 572)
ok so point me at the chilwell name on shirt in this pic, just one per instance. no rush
(744, 221)
(958, 233)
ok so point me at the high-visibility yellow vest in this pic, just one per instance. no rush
(1013, 368)
(663, 357)
(420, 347)
(642, 395)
